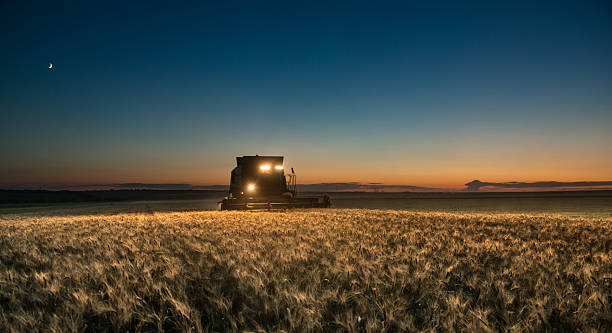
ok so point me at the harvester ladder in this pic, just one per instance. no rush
(292, 184)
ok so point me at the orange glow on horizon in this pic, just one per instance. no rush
(436, 172)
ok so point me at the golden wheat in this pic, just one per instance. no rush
(321, 270)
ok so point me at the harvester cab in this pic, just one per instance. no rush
(260, 182)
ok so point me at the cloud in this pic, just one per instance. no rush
(130, 186)
(475, 185)
(153, 186)
(353, 186)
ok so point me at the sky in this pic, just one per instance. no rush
(402, 93)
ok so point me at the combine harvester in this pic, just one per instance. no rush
(260, 183)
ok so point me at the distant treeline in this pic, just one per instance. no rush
(42, 196)
(469, 195)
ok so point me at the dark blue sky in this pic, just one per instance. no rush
(361, 91)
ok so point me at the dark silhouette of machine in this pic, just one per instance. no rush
(260, 182)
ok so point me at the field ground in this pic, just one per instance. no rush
(572, 204)
(110, 268)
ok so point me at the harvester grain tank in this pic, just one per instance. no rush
(260, 182)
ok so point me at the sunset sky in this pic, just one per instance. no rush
(385, 92)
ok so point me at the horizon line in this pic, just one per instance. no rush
(473, 186)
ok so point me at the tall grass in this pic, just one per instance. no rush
(326, 270)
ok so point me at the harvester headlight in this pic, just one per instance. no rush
(264, 167)
(251, 187)
(278, 167)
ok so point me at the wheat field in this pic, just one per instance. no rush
(305, 270)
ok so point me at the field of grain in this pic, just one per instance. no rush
(323, 270)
